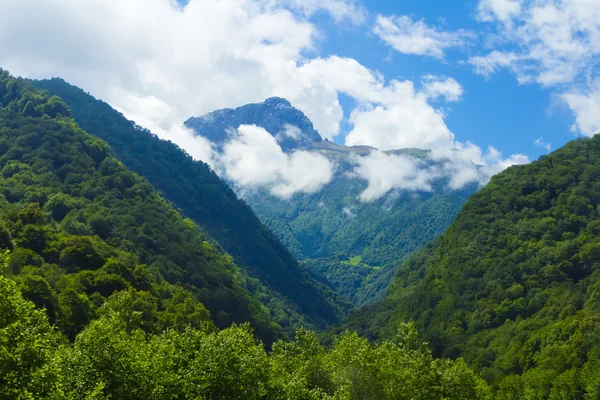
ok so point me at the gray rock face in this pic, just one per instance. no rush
(288, 125)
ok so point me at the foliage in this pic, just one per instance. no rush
(84, 229)
(513, 286)
(27, 342)
(331, 226)
(292, 296)
(112, 359)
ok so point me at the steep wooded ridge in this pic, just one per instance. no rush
(352, 246)
(201, 195)
(101, 282)
(513, 286)
(81, 227)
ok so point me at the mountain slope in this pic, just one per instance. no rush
(513, 286)
(84, 230)
(202, 196)
(352, 246)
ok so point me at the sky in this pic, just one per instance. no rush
(490, 82)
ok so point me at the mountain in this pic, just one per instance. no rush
(106, 291)
(350, 245)
(290, 126)
(83, 230)
(294, 299)
(513, 286)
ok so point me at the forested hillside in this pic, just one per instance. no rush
(103, 288)
(199, 193)
(82, 229)
(113, 358)
(513, 286)
(353, 246)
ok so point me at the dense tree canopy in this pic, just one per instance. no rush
(356, 252)
(115, 359)
(513, 286)
(83, 228)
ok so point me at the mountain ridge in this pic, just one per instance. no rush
(196, 190)
(329, 227)
(289, 125)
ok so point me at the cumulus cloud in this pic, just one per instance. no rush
(455, 167)
(211, 54)
(440, 86)
(416, 37)
(168, 63)
(402, 119)
(465, 163)
(386, 172)
(585, 104)
(253, 158)
(554, 43)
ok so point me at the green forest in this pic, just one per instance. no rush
(108, 292)
(115, 358)
(115, 285)
(513, 286)
(193, 188)
(383, 232)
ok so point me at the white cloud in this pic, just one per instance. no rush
(539, 142)
(555, 43)
(289, 131)
(490, 63)
(340, 10)
(457, 166)
(403, 119)
(211, 54)
(586, 107)
(165, 64)
(348, 212)
(252, 158)
(557, 39)
(386, 172)
(439, 86)
(503, 10)
(466, 163)
(416, 37)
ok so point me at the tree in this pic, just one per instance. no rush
(27, 343)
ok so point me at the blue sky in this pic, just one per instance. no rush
(494, 111)
(484, 84)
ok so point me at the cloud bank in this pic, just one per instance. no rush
(253, 158)
(160, 63)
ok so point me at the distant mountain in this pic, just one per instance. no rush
(293, 298)
(352, 246)
(289, 125)
(513, 286)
